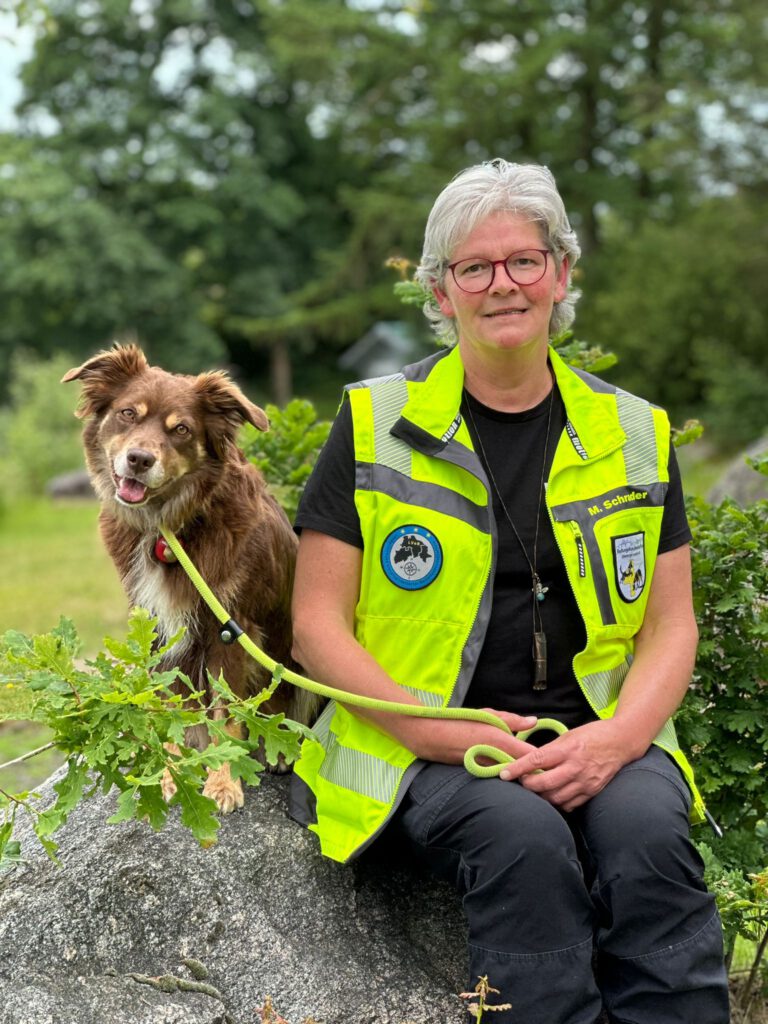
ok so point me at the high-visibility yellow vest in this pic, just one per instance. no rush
(429, 557)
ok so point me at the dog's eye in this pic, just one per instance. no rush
(128, 414)
(181, 430)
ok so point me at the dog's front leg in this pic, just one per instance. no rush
(220, 786)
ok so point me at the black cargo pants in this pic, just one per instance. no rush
(541, 889)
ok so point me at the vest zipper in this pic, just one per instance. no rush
(580, 550)
(483, 592)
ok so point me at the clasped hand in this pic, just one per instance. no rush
(572, 768)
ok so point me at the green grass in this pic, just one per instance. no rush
(17, 738)
(53, 564)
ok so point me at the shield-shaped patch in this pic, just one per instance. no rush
(629, 565)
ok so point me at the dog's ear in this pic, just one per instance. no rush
(104, 375)
(226, 408)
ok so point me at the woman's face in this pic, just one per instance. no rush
(506, 316)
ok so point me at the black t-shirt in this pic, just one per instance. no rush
(513, 447)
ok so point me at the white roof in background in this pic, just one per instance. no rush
(385, 341)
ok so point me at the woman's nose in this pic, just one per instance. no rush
(501, 282)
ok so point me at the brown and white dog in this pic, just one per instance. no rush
(161, 448)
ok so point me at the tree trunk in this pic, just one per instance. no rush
(280, 372)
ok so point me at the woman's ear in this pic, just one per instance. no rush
(442, 300)
(561, 282)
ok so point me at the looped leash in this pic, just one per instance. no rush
(232, 632)
(501, 757)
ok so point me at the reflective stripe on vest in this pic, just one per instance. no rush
(387, 400)
(640, 453)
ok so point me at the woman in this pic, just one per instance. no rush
(491, 528)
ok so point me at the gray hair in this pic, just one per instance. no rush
(493, 187)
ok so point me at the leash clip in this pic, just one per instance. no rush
(230, 631)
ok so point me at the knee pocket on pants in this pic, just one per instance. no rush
(579, 953)
(709, 934)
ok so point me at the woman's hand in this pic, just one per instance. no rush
(579, 764)
(573, 767)
(448, 741)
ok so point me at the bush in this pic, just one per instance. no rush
(287, 452)
(683, 305)
(39, 434)
(724, 720)
(113, 718)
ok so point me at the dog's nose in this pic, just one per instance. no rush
(139, 459)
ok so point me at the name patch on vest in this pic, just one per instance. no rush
(618, 499)
(629, 563)
(411, 557)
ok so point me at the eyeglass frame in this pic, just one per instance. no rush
(494, 263)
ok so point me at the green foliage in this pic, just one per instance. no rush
(682, 303)
(39, 435)
(113, 717)
(690, 431)
(735, 384)
(741, 899)
(724, 720)
(187, 193)
(759, 463)
(77, 270)
(582, 355)
(287, 452)
(218, 204)
(411, 293)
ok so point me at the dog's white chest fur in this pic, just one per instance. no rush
(148, 585)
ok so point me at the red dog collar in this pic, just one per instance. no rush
(163, 551)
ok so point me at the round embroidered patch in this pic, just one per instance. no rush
(411, 557)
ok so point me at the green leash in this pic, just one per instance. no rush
(232, 632)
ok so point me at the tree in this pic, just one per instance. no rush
(75, 273)
(683, 306)
(272, 154)
(183, 145)
(621, 100)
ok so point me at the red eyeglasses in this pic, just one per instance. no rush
(527, 266)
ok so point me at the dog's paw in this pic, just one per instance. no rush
(167, 786)
(221, 787)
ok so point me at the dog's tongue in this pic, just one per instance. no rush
(131, 490)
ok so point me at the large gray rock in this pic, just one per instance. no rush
(139, 927)
(739, 481)
(76, 484)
